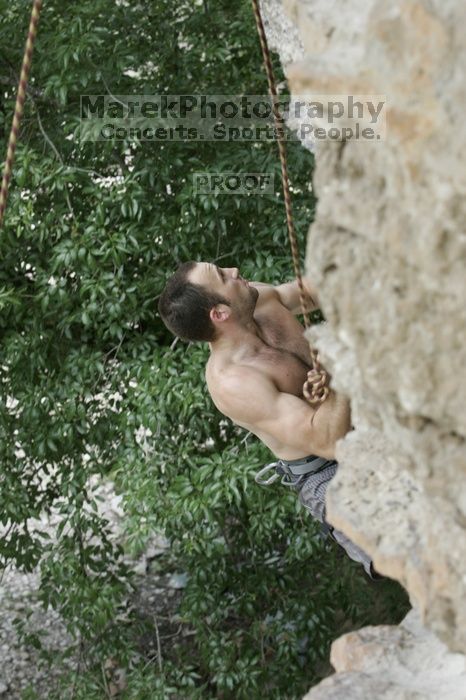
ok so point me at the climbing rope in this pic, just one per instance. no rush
(19, 106)
(315, 391)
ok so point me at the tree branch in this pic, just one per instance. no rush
(55, 150)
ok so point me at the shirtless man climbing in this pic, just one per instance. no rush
(259, 358)
(258, 364)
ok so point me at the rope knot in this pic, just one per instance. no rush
(315, 388)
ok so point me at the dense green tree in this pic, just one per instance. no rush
(93, 384)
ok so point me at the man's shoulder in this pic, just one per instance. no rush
(233, 383)
(233, 375)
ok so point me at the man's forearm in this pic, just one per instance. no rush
(290, 297)
(312, 294)
(341, 423)
(331, 422)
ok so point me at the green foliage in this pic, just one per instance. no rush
(87, 368)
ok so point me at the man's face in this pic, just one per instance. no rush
(227, 283)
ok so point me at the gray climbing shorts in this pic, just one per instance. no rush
(310, 477)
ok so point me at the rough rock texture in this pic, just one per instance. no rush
(384, 662)
(387, 251)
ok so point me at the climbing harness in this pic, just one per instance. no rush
(316, 391)
(19, 106)
(291, 471)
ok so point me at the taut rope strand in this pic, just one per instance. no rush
(316, 391)
(19, 106)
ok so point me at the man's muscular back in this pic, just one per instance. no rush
(259, 385)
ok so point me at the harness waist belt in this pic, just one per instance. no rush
(289, 468)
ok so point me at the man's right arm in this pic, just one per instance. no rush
(289, 296)
(252, 400)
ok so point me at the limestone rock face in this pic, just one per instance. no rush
(384, 662)
(388, 251)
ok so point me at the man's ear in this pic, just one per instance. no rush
(220, 313)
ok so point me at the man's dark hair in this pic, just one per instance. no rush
(184, 306)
